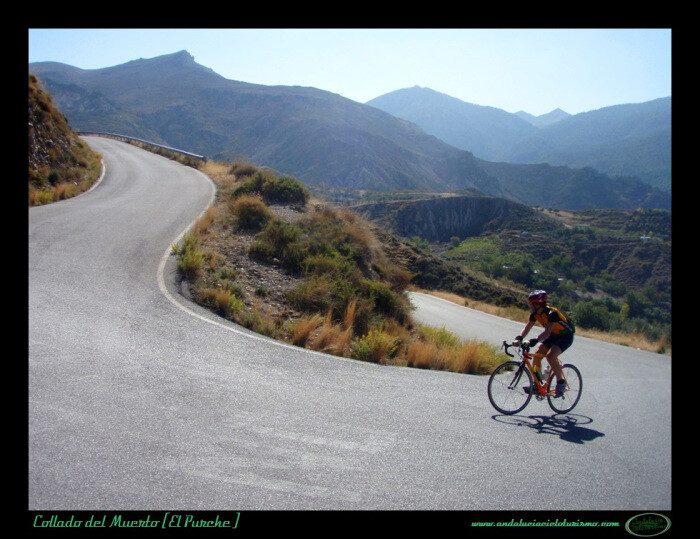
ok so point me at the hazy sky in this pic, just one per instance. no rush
(535, 70)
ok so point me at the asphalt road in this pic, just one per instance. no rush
(140, 400)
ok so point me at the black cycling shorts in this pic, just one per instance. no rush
(562, 341)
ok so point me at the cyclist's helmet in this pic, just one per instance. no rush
(538, 297)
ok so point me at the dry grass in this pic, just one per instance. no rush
(255, 320)
(221, 299)
(422, 355)
(204, 223)
(323, 334)
(350, 313)
(332, 338)
(468, 357)
(633, 340)
(63, 190)
(304, 328)
(219, 172)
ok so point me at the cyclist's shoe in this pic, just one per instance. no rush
(561, 386)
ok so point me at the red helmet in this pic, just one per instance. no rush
(538, 297)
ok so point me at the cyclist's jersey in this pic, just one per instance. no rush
(563, 326)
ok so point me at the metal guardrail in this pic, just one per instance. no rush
(125, 137)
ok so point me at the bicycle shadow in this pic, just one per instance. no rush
(566, 426)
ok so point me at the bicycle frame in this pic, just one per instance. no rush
(526, 356)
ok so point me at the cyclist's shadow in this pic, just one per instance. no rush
(566, 426)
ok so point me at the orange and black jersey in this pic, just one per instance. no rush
(562, 325)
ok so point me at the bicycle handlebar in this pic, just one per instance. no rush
(517, 344)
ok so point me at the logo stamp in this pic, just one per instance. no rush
(648, 524)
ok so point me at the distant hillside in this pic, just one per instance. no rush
(60, 164)
(462, 216)
(624, 140)
(319, 137)
(544, 119)
(487, 132)
(312, 134)
(611, 269)
(574, 188)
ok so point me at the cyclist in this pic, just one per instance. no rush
(558, 335)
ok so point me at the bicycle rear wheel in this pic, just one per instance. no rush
(572, 393)
(510, 387)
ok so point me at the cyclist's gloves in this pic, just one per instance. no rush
(533, 342)
(519, 338)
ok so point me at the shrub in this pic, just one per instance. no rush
(190, 264)
(279, 240)
(334, 265)
(190, 257)
(592, 316)
(386, 301)
(232, 286)
(440, 336)
(313, 295)
(242, 170)
(374, 346)
(250, 212)
(54, 177)
(251, 186)
(283, 190)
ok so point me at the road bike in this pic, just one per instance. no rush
(513, 383)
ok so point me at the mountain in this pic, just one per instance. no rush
(487, 132)
(624, 140)
(317, 136)
(544, 119)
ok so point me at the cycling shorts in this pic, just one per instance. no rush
(562, 341)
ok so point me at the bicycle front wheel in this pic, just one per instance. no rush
(510, 387)
(572, 393)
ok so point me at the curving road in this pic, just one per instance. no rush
(140, 400)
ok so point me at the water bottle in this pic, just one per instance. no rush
(545, 374)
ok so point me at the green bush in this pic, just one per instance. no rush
(191, 263)
(386, 301)
(315, 295)
(242, 170)
(336, 265)
(250, 212)
(285, 190)
(190, 257)
(592, 316)
(282, 190)
(276, 240)
(374, 346)
(441, 337)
